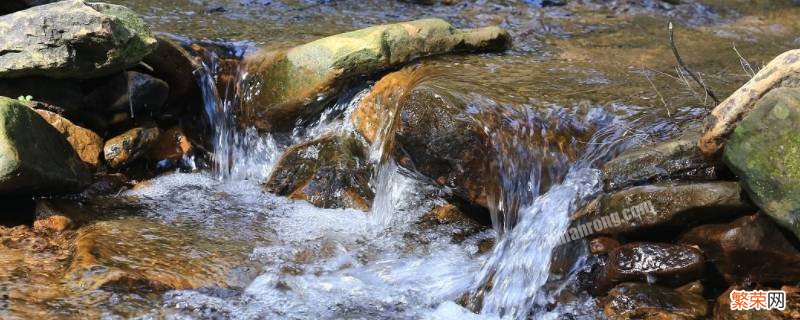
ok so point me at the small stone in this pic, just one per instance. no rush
(172, 144)
(129, 146)
(654, 263)
(602, 245)
(56, 223)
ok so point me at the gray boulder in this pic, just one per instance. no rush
(34, 157)
(72, 39)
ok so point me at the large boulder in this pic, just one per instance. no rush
(654, 263)
(329, 172)
(630, 301)
(679, 158)
(666, 204)
(34, 157)
(764, 151)
(300, 80)
(751, 248)
(783, 71)
(87, 144)
(72, 39)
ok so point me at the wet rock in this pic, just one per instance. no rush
(432, 132)
(675, 159)
(34, 157)
(87, 144)
(66, 94)
(133, 253)
(602, 245)
(55, 223)
(751, 248)
(72, 39)
(722, 309)
(172, 144)
(105, 184)
(132, 92)
(446, 213)
(173, 64)
(654, 263)
(782, 71)
(764, 151)
(329, 172)
(643, 301)
(300, 80)
(129, 146)
(642, 208)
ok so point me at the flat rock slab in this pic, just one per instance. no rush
(300, 80)
(72, 39)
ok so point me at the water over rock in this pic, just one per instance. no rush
(764, 151)
(129, 146)
(654, 263)
(751, 248)
(679, 158)
(87, 144)
(301, 80)
(35, 157)
(642, 301)
(72, 39)
(665, 204)
(329, 172)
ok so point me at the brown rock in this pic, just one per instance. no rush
(751, 248)
(629, 301)
(172, 144)
(87, 144)
(129, 146)
(172, 63)
(602, 245)
(55, 223)
(655, 263)
(642, 208)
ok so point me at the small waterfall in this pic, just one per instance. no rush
(239, 153)
(511, 279)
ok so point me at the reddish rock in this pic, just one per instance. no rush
(602, 245)
(172, 144)
(630, 301)
(87, 144)
(750, 248)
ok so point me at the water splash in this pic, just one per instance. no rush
(239, 153)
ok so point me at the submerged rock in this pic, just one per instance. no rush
(132, 253)
(783, 71)
(87, 144)
(130, 91)
(298, 81)
(654, 263)
(329, 172)
(34, 157)
(676, 159)
(751, 248)
(666, 204)
(642, 301)
(764, 151)
(129, 146)
(72, 39)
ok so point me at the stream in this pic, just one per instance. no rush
(582, 83)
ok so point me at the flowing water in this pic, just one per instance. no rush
(582, 83)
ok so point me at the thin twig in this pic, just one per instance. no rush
(685, 67)
(666, 106)
(748, 69)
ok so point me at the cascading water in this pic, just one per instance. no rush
(238, 153)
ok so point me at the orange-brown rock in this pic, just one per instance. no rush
(87, 144)
(172, 144)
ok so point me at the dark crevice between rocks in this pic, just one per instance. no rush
(17, 211)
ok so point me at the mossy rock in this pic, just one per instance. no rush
(764, 151)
